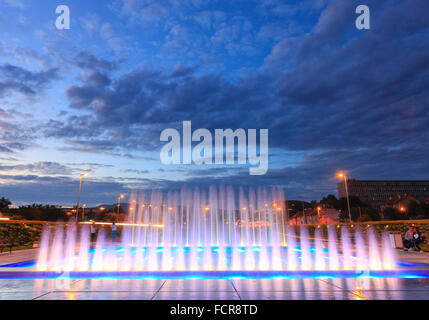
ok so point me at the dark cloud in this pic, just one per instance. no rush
(43, 167)
(29, 189)
(87, 60)
(17, 79)
(341, 97)
(136, 171)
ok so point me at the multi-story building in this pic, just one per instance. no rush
(377, 192)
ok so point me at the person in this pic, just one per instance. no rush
(114, 228)
(93, 231)
(408, 239)
(418, 238)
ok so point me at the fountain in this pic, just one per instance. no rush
(219, 233)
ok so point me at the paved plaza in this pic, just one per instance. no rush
(199, 289)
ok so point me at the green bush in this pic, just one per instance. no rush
(20, 234)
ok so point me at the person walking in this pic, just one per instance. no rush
(114, 229)
(93, 230)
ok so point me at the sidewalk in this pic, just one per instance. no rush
(412, 256)
(18, 256)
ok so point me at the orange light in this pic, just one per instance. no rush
(319, 208)
(341, 175)
(7, 219)
(161, 226)
(170, 208)
(402, 209)
(279, 209)
(102, 208)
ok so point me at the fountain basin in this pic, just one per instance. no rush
(217, 274)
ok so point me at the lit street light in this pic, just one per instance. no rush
(119, 202)
(343, 175)
(83, 175)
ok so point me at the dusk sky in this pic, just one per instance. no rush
(95, 98)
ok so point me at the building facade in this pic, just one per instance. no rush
(377, 192)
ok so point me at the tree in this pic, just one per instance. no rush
(357, 208)
(4, 204)
(330, 201)
(40, 212)
(390, 213)
(418, 210)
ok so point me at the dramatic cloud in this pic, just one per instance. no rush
(17, 79)
(333, 97)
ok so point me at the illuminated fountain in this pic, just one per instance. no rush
(218, 232)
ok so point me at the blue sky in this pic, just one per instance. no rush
(96, 97)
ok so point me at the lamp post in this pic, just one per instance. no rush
(303, 213)
(83, 175)
(318, 212)
(343, 175)
(83, 212)
(119, 203)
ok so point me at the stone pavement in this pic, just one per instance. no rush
(199, 289)
(18, 256)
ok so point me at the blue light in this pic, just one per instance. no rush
(240, 274)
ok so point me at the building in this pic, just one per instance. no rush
(377, 192)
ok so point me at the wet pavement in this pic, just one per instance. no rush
(220, 289)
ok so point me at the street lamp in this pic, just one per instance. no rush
(119, 202)
(83, 175)
(343, 175)
(318, 212)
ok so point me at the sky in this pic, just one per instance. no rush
(96, 97)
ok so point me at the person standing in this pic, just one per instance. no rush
(93, 230)
(114, 229)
